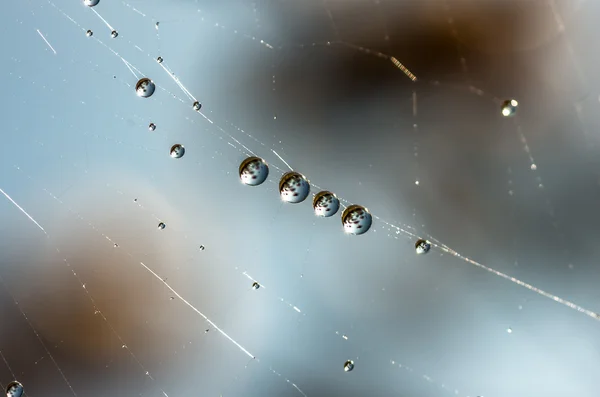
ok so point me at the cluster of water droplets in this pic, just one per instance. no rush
(293, 186)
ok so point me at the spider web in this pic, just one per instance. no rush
(98, 301)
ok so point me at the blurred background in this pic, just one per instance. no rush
(393, 105)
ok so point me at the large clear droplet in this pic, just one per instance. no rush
(294, 187)
(356, 220)
(422, 246)
(197, 106)
(326, 204)
(177, 151)
(253, 171)
(348, 365)
(89, 33)
(114, 34)
(14, 389)
(145, 87)
(91, 3)
(161, 226)
(509, 107)
(151, 126)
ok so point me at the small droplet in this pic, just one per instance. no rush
(422, 246)
(161, 226)
(533, 167)
(255, 285)
(325, 204)
(294, 188)
(145, 87)
(156, 25)
(114, 34)
(14, 389)
(509, 330)
(197, 106)
(356, 220)
(202, 248)
(348, 365)
(89, 33)
(151, 126)
(159, 60)
(509, 107)
(253, 171)
(177, 151)
(91, 3)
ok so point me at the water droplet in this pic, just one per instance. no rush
(91, 3)
(202, 248)
(89, 33)
(151, 126)
(161, 226)
(14, 389)
(356, 220)
(509, 330)
(326, 204)
(159, 60)
(114, 34)
(294, 187)
(509, 107)
(348, 365)
(197, 106)
(255, 285)
(253, 171)
(145, 87)
(533, 167)
(156, 25)
(422, 246)
(177, 151)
